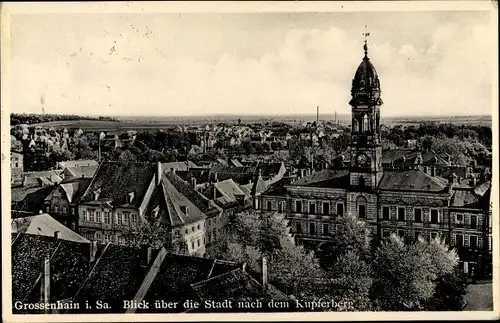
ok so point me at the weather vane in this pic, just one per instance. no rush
(366, 34)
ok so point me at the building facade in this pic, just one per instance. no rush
(408, 201)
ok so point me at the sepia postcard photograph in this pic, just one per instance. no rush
(249, 161)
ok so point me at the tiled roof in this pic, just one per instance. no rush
(227, 191)
(75, 188)
(328, 178)
(117, 179)
(464, 198)
(119, 273)
(80, 171)
(33, 198)
(237, 286)
(201, 202)
(170, 201)
(412, 180)
(69, 266)
(178, 165)
(483, 188)
(177, 273)
(278, 188)
(270, 169)
(393, 155)
(45, 225)
(78, 163)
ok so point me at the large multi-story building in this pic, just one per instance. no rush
(409, 201)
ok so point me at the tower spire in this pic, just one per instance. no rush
(365, 47)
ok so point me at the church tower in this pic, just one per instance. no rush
(366, 148)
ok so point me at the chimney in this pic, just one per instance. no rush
(244, 267)
(130, 197)
(158, 173)
(264, 272)
(93, 250)
(97, 192)
(45, 283)
(214, 192)
(193, 181)
(57, 235)
(215, 178)
(426, 169)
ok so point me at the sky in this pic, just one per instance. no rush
(429, 63)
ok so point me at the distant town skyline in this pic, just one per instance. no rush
(430, 63)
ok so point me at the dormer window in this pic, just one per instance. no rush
(184, 209)
(156, 212)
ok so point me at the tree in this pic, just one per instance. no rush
(253, 235)
(352, 281)
(153, 235)
(351, 235)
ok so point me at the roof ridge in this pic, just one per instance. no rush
(168, 202)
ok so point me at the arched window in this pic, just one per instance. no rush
(361, 203)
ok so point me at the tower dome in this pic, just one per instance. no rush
(365, 88)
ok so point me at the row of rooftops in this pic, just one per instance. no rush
(85, 271)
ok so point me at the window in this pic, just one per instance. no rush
(418, 215)
(119, 219)
(133, 217)
(401, 214)
(177, 232)
(192, 228)
(362, 211)
(401, 233)
(56, 209)
(125, 218)
(84, 213)
(299, 227)
(460, 218)
(385, 213)
(434, 216)
(107, 218)
(298, 206)
(473, 242)
(340, 209)
(209, 222)
(269, 206)
(459, 240)
(198, 227)
(326, 208)
(326, 230)
(209, 237)
(215, 235)
(186, 230)
(434, 235)
(312, 208)
(192, 245)
(386, 233)
(198, 241)
(312, 228)
(64, 209)
(473, 221)
(98, 235)
(91, 216)
(417, 235)
(98, 217)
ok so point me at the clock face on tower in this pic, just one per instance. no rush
(362, 160)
